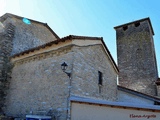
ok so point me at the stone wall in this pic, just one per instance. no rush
(158, 90)
(39, 86)
(27, 36)
(88, 61)
(136, 57)
(6, 37)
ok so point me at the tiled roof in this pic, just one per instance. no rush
(56, 42)
(70, 37)
(150, 97)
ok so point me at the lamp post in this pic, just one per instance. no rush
(64, 67)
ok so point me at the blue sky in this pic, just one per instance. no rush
(88, 17)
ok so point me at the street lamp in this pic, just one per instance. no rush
(64, 67)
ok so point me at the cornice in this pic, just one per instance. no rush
(43, 55)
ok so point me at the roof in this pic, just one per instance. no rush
(146, 96)
(70, 37)
(112, 104)
(5, 16)
(137, 21)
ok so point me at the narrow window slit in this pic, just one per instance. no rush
(137, 24)
(100, 81)
(100, 78)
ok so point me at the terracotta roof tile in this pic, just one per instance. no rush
(63, 40)
(56, 42)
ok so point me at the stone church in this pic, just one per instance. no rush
(44, 77)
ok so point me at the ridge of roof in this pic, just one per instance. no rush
(138, 93)
(136, 21)
(96, 38)
(85, 37)
(69, 37)
(5, 16)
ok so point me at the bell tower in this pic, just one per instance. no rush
(136, 56)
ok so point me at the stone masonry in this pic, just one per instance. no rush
(88, 61)
(28, 36)
(16, 37)
(136, 56)
(39, 86)
(6, 37)
(30, 66)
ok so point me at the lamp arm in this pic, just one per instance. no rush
(69, 74)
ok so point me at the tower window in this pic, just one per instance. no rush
(125, 28)
(100, 80)
(137, 24)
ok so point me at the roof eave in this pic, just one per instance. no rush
(70, 37)
(110, 56)
(153, 98)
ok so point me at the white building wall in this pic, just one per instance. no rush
(82, 111)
